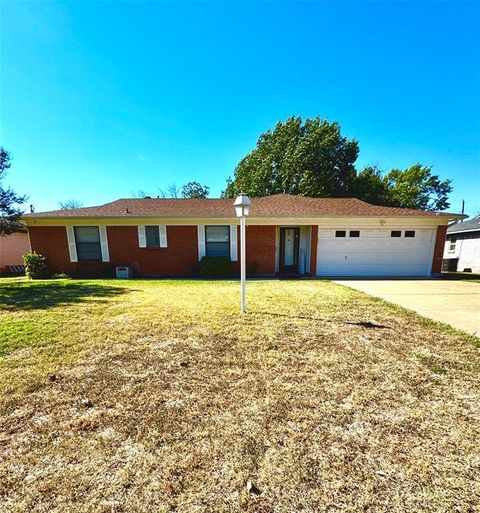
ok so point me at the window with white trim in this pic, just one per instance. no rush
(87, 240)
(452, 245)
(409, 233)
(354, 233)
(217, 240)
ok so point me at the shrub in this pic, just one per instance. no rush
(252, 268)
(61, 276)
(215, 267)
(36, 266)
(195, 269)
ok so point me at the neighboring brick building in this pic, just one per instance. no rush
(12, 249)
(285, 235)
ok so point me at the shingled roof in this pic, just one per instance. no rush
(472, 225)
(278, 205)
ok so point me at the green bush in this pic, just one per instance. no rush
(252, 268)
(195, 269)
(215, 267)
(36, 266)
(61, 276)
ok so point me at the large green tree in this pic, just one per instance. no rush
(309, 158)
(416, 187)
(312, 158)
(9, 201)
(370, 186)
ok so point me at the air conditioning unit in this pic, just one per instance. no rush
(123, 273)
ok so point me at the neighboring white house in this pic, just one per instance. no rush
(462, 247)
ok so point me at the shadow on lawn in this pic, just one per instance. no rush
(363, 324)
(38, 295)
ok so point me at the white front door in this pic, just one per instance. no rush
(345, 252)
(289, 255)
(289, 246)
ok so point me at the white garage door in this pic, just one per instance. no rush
(347, 252)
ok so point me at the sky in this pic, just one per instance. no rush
(102, 99)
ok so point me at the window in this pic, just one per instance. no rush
(395, 233)
(409, 233)
(354, 233)
(340, 233)
(217, 240)
(152, 236)
(452, 245)
(87, 239)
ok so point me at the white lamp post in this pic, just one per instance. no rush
(242, 207)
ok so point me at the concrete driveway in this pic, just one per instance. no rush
(453, 302)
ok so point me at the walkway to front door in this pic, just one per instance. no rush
(289, 249)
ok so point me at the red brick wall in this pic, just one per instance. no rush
(175, 260)
(180, 255)
(261, 241)
(313, 257)
(439, 248)
(51, 241)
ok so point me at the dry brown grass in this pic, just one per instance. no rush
(165, 399)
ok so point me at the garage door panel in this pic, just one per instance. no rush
(375, 259)
(374, 234)
(374, 253)
(373, 270)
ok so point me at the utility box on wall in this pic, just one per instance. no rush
(123, 273)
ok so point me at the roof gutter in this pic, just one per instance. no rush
(451, 216)
(29, 217)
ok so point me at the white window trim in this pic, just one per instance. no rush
(72, 245)
(233, 243)
(102, 230)
(201, 241)
(142, 238)
(162, 232)
(162, 236)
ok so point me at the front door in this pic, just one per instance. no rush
(289, 243)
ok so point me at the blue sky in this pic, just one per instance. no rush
(99, 100)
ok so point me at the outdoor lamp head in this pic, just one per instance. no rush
(242, 205)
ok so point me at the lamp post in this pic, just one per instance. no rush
(242, 207)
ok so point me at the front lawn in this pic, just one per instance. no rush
(157, 396)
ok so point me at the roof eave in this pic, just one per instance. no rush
(222, 216)
(451, 216)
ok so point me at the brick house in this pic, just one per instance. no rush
(285, 235)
